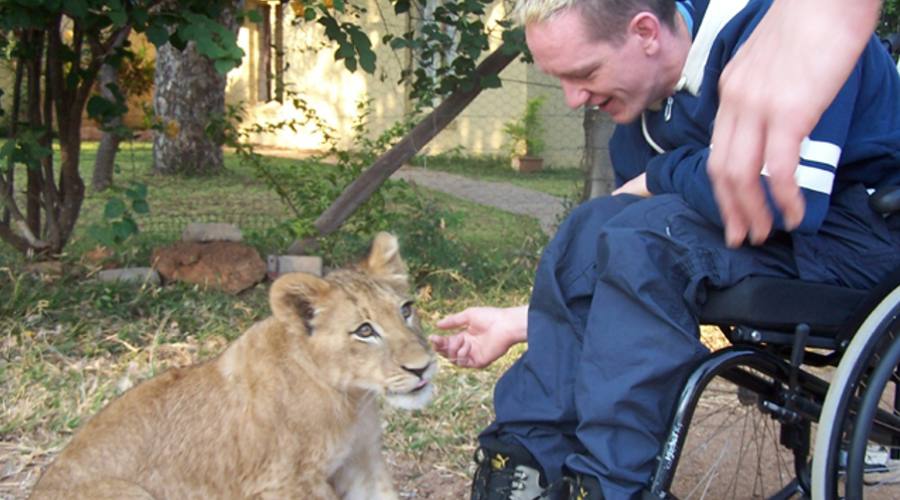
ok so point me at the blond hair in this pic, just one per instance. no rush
(607, 19)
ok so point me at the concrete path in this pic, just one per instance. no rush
(544, 207)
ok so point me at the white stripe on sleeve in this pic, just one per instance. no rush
(811, 178)
(820, 152)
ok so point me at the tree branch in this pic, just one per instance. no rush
(18, 222)
(369, 181)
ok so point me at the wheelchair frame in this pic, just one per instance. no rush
(864, 345)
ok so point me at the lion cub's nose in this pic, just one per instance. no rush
(419, 372)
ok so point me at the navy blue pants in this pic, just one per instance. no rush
(613, 331)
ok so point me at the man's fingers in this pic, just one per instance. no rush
(463, 353)
(440, 344)
(782, 159)
(734, 168)
(457, 320)
(736, 226)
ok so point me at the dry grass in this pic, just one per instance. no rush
(48, 391)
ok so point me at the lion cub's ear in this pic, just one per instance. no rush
(293, 299)
(384, 262)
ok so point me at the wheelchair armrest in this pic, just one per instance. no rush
(781, 304)
(886, 201)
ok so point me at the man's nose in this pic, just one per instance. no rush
(575, 95)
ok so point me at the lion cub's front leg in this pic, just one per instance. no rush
(312, 488)
(364, 474)
(365, 477)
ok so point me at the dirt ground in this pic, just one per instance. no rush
(421, 479)
(415, 477)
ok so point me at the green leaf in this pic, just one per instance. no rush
(157, 34)
(124, 228)
(359, 38)
(140, 16)
(117, 13)
(207, 46)
(254, 16)
(367, 61)
(137, 191)
(77, 8)
(401, 6)
(98, 107)
(103, 235)
(344, 51)
(9, 147)
(140, 207)
(115, 207)
(223, 66)
(490, 82)
(399, 43)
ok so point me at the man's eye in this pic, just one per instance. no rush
(364, 331)
(406, 310)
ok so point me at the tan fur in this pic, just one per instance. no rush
(282, 413)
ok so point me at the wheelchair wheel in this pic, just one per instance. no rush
(873, 456)
(735, 444)
(859, 431)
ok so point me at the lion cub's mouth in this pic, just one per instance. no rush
(417, 396)
(423, 384)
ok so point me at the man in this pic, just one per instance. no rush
(612, 323)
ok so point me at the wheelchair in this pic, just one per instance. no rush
(804, 403)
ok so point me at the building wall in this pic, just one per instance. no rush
(333, 92)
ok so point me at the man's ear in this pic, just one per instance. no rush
(294, 298)
(384, 262)
(646, 26)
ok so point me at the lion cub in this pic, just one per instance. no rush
(289, 410)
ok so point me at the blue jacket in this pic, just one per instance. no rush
(857, 140)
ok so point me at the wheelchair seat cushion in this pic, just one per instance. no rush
(780, 304)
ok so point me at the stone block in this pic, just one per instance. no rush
(276, 265)
(130, 275)
(214, 231)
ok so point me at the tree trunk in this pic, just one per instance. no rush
(189, 91)
(34, 179)
(109, 142)
(599, 178)
(10, 178)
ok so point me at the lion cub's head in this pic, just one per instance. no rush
(360, 327)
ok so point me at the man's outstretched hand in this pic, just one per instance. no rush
(485, 334)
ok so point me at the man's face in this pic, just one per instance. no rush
(620, 78)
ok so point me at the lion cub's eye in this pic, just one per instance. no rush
(365, 331)
(406, 309)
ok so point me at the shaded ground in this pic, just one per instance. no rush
(418, 478)
(415, 477)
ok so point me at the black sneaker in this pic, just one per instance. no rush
(585, 487)
(507, 472)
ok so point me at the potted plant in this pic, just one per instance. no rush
(525, 134)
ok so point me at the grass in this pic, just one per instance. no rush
(68, 345)
(565, 182)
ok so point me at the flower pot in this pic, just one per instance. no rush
(527, 164)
